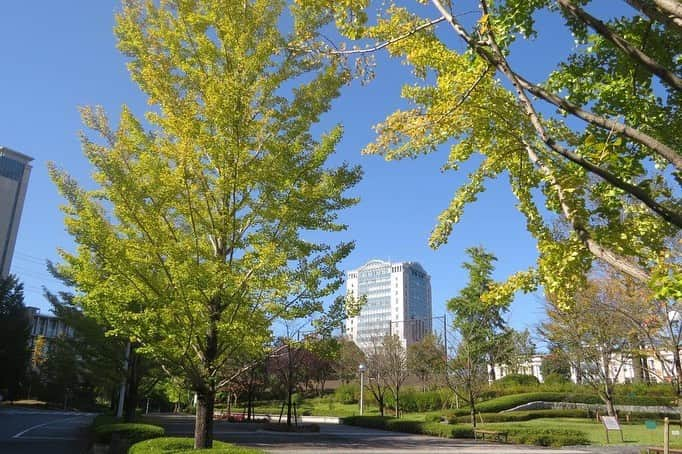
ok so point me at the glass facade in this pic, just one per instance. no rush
(10, 168)
(398, 301)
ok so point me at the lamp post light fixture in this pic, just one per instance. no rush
(362, 368)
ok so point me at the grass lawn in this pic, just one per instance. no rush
(634, 434)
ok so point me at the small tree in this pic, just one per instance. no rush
(395, 359)
(480, 322)
(466, 373)
(519, 350)
(349, 359)
(15, 331)
(378, 381)
(591, 339)
(426, 360)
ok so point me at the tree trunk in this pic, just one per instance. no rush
(397, 403)
(205, 392)
(472, 404)
(133, 386)
(637, 369)
(491, 372)
(203, 428)
(610, 408)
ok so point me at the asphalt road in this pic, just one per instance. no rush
(336, 439)
(26, 431)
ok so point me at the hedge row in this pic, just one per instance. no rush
(173, 445)
(516, 416)
(514, 400)
(133, 432)
(531, 435)
(516, 434)
(410, 426)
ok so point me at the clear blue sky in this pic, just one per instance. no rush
(60, 55)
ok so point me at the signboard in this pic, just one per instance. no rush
(610, 422)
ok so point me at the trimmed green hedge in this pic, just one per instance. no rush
(174, 445)
(131, 431)
(104, 419)
(517, 433)
(531, 435)
(516, 416)
(506, 402)
(410, 426)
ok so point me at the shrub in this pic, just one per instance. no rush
(104, 419)
(133, 432)
(347, 394)
(530, 435)
(519, 380)
(411, 426)
(420, 401)
(172, 445)
(555, 378)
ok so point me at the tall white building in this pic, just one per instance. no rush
(398, 302)
(14, 173)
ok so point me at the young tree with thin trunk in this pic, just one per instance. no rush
(594, 341)
(395, 358)
(481, 323)
(200, 231)
(426, 360)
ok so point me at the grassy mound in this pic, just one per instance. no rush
(174, 445)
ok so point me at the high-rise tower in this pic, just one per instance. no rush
(14, 173)
(398, 302)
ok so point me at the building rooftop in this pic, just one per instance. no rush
(4, 151)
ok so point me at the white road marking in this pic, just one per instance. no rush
(18, 435)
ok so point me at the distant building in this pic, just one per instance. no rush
(48, 326)
(530, 366)
(14, 173)
(398, 302)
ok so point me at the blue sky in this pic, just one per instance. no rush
(60, 55)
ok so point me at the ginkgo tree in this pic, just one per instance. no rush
(610, 174)
(205, 222)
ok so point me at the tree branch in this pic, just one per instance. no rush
(390, 41)
(630, 50)
(656, 13)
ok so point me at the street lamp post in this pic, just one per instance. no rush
(362, 368)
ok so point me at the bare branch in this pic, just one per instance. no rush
(428, 24)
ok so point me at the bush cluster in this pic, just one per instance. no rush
(420, 401)
(173, 445)
(131, 431)
(347, 394)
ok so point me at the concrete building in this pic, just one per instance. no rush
(398, 302)
(530, 366)
(14, 173)
(47, 326)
